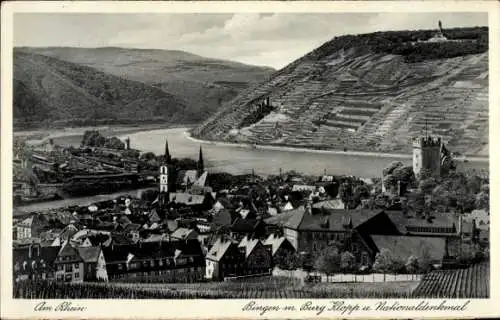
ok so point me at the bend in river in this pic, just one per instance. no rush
(240, 160)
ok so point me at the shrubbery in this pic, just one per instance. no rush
(407, 44)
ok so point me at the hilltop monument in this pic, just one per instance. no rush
(439, 35)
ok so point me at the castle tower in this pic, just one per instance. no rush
(427, 155)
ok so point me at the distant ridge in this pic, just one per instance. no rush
(200, 85)
(50, 91)
(370, 92)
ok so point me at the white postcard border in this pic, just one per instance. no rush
(204, 309)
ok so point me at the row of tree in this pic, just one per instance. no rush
(332, 261)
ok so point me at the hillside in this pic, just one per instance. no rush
(201, 83)
(57, 92)
(369, 92)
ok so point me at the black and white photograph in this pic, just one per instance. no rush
(250, 155)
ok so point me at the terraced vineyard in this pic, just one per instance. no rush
(266, 289)
(473, 282)
(352, 97)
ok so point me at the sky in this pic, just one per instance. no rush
(270, 39)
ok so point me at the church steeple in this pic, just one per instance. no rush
(168, 158)
(201, 165)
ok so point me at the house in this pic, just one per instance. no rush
(467, 229)
(256, 256)
(186, 177)
(196, 202)
(329, 204)
(224, 218)
(80, 264)
(278, 246)
(223, 260)
(481, 217)
(154, 216)
(33, 262)
(248, 227)
(223, 203)
(303, 187)
(311, 231)
(184, 234)
(484, 237)
(402, 247)
(162, 261)
(68, 232)
(288, 206)
(327, 178)
(29, 227)
(438, 225)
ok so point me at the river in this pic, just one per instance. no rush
(79, 201)
(240, 160)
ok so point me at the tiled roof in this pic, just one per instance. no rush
(405, 246)
(274, 242)
(172, 225)
(89, 254)
(182, 233)
(69, 253)
(250, 246)
(47, 254)
(281, 218)
(244, 225)
(218, 250)
(187, 175)
(224, 217)
(152, 250)
(296, 217)
(303, 187)
(186, 198)
(440, 220)
(336, 219)
(329, 204)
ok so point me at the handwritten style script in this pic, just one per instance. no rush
(344, 308)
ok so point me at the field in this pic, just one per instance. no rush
(257, 288)
(473, 282)
(368, 93)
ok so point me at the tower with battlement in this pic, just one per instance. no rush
(427, 155)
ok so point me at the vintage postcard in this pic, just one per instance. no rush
(249, 160)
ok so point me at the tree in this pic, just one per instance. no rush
(332, 189)
(149, 195)
(130, 153)
(393, 166)
(483, 198)
(114, 143)
(346, 194)
(412, 264)
(425, 260)
(93, 138)
(148, 156)
(328, 261)
(347, 261)
(405, 175)
(390, 182)
(427, 185)
(416, 202)
(440, 199)
(386, 262)
(288, 260)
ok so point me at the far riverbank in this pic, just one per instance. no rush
(188, 135)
